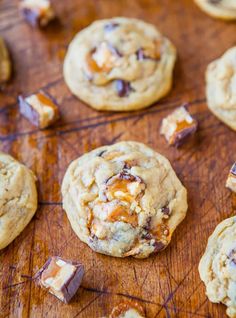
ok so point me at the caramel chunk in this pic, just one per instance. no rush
(5, 63)
(178, 126)
(37, 12)
(39, 109)
(231, 180)
(61, 278)
(128, 309)
(122, 214)
(102, 58)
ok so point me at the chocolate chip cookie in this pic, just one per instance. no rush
(124, 200)
(18, 198)
(217, 267)
(119, 64)
(221, 87)
(222, 9)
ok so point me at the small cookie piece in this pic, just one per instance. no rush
(231, 181)
(178, 126)
(120, 64)
(221, 87)
(221, 9)
(39, 108)
(217, 267)
(61, 278)
(18, 198)
(37, 12)
(128, 309)
(124, 200)
(5, 63)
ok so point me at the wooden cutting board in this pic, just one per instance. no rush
(168, 284)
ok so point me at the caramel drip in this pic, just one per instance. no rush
(121, 214)
(45, 100)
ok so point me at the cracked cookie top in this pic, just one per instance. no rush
(124, 200)
(119, 64)
(222, 9)
(220, 87)
(18, 198)
(218, 266)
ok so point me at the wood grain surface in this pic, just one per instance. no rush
(167, 284)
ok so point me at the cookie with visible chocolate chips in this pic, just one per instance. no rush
(127, 309)
(217, 267)
(221, 9)
(221, 87)
(124, 200)
(18, 198)
(119, 64)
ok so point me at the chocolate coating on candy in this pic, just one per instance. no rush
(39, 108)
(233, 169)
(61, 278)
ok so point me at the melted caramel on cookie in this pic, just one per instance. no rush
(122, 186)
(161, 231)
(121, 214)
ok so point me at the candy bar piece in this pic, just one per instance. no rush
(128, 310)
(5, 63)
(37, 12)
(39, 108)
(60, 277)
(231, 181)
(178, 126)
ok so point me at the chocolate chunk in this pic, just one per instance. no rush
(39, 108)
(183, 135)
(111, 26)
(60, 277)
(165, 210)
(147, 226)
(127, 176)
(232, 256)
(101, 153)
(123, 88)
(159, 246)
(114, 50)
(140, 54)
(214, 1)
(233, 169)
(37, 12)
